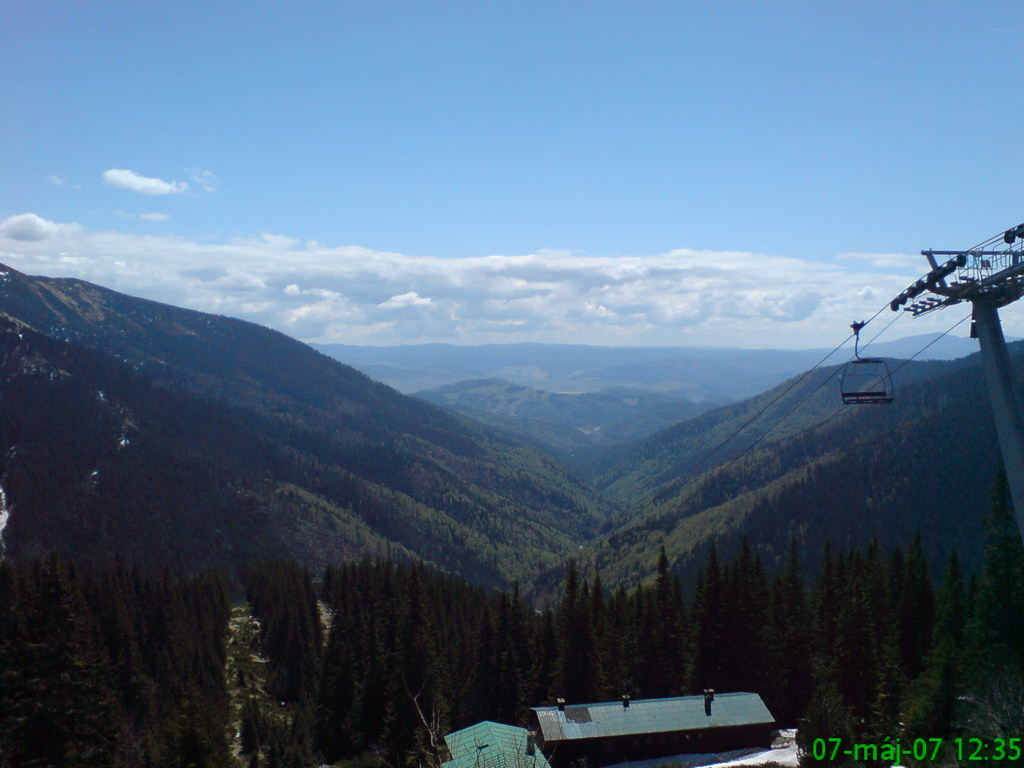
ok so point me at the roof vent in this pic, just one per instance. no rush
(709, 696)
(561, 704)
(625, 701)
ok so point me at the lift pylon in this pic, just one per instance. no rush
(989, 276)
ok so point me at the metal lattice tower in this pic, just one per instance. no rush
(989, 276)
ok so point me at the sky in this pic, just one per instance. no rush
(727, 173)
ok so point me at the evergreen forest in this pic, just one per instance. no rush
(370, 663)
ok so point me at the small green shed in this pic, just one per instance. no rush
(493, 745)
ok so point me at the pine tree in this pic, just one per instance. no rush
(709, 662)
(931, 698)
(668, 660)
(576, 664)
(916, 610)
(828, 716)
(788, 679)
(336, 694)
(995, 655)
(997, 628)
(56, 703)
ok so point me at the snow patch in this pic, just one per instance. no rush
(5, 515)
(782, 751)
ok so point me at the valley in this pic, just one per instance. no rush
(411, 567)
(203, 441)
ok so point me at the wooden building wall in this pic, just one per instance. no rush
(616, 749)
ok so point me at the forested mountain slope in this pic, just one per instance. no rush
(920, 466)
(632, 473)
(568, 423)
(178, 437)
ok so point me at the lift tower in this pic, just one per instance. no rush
(989, 276)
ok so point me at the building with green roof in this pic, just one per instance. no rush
(617, 731)
(493, 745)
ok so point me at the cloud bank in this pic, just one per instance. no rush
(355, 295)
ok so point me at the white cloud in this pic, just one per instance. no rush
(146, 185)
(886, 260)
(144, 216)
(409, 299)
(352, 294)
(58, 181)
(30, 228)
(205, 180)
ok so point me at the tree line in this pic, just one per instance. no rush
(111, 668)
(870, 650)
(374, 661)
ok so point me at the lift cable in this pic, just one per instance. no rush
(902, 363)
(922, 349)
(773, 401)
(795, 383)
(820, 424)
(887, 327)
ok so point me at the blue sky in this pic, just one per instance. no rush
(714, 173)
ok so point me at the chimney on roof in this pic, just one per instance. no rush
(625, 701)
(709, 696)
(531, 743)
(561, 704)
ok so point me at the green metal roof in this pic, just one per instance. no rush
(492, 745)
(683, 713)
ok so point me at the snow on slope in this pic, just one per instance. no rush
(783, 751)
(5, 514)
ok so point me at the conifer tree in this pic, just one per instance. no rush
(709, 661)
(667, 663)
(932, 696)
(576, 664)
(336, 694)
(915, 609)
(997, 628)
(995, 656)
(56, 703)
(787, 643)
(828, 716)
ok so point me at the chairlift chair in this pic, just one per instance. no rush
(865, 380)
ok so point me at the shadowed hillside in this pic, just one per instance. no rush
(214, 441)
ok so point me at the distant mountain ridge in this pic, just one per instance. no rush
(697, 374)
(244, 443)
(565, 423)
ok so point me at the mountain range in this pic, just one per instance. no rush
(698, 374)
(181, 439)
(187, 439)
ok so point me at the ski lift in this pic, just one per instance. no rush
(865, 380)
